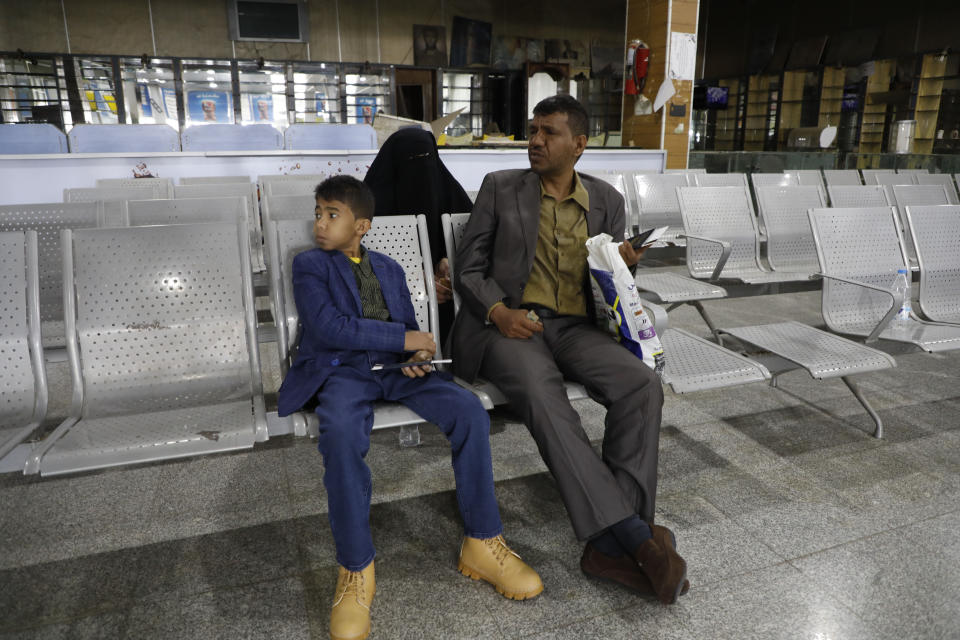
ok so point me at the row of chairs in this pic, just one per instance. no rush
(154, 138)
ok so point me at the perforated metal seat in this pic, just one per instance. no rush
(163, 186)
(822, 355)
(790, 245)
(164, 319)
(48, 219)
(719, 179)
(914, 196)
(658, 205)
(944, 179)
(860, 251)
(403, 238)
(23, 382)
(758, 180)
(935, 231)
(890, 179)
(722, 236)
(297, 184)
(808, 178)
(837, 177)
(914, 172)
(869, 175)
(856, 196)
(228, 189)
(112, 198)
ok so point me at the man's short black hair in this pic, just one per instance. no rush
(350, 191)
(577, 117)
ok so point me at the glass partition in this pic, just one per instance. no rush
(32, 89)
(366, 92)
(263, 93)
(463, 90)
(96, 84)
(207, 92)
(148, 91)
(316, 92)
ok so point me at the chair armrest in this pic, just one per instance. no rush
(886, 318)
(724, 255)
(658, 316)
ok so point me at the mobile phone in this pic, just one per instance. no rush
(403, 365)
(646, 238)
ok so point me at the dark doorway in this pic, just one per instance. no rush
(416, 94)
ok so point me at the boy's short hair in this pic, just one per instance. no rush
(350, 191)
(577, 118)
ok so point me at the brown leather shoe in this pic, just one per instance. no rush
(665, 538)
(350, 615)
(665, 568)
(491, 560)
(623, 570)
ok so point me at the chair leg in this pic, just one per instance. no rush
(706, 318)
(878, 432)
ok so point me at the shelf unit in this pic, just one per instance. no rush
(791, 104)
(727, 120)
(762, 98)
(875, 115)
(927, 106)
(831, 96)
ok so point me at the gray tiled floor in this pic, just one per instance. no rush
(795, 522)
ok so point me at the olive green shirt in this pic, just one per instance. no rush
(560, 263)
(371, 295)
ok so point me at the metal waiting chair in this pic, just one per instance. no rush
(658, 205)
(860, 251)
(856, 196)
(718, 179)
(935, 233)
(912, 195)
(48, 219)
(163, 186)
(914, 172)
(112, 198)
(808, 177)
(784, 179)
(870, 175)
(619, 181)
(23, 380)
(790, 245)
(403, 238)
(891, 179)
(723, 238)
(692, 363)
(845, 177)
(293, 185)
(227, 189)
(162, 348)
(944, 179)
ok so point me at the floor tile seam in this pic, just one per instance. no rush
(870, 535)
(740, 574)
(742, 528)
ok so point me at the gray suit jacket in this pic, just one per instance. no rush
(495, 256)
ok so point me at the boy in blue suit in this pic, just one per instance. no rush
(355, 311)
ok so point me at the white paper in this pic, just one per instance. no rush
(683, 55)
(653, 237)
(664, 93)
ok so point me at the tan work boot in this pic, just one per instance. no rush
(350, 615)
(491, 560)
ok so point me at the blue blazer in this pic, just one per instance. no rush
(335, 333)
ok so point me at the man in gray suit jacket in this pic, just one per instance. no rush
(521, 271)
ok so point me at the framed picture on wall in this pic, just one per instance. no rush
(261, 107)
(470, 42)
(366, 109)
(429, 45)
(209, 106)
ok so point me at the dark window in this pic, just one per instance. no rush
(274, 20)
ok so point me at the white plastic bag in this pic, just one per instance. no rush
(617, 303)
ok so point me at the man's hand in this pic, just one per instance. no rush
(419, 341)
(513, 323)
(441, 281)
(630, 255)
(418, 372)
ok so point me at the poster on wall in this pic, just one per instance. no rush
(169, 103)
(261, 107)
(320, 98)
(470, 42)
(366, 109)
(209, 107)
(429, 45)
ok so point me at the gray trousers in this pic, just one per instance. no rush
(598, 491)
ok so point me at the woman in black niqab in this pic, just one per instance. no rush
(408, 177)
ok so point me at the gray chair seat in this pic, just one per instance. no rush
(822, 354)
(98, 443)
(658, 206)
(935, 231)
(671, 287)
(695, 364)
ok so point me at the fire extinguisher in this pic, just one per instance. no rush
(638, 58)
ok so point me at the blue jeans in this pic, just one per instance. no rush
(346, 419)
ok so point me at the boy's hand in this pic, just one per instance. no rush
(513, 323)
(418, 372)
(419, 341)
